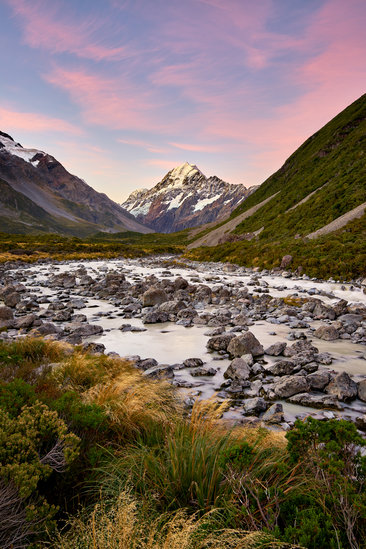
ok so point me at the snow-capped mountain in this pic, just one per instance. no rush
(185, 198)
(38, 194)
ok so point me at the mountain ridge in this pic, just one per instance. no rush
(68, 205)
(184, 198)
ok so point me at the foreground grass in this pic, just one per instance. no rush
(94, 454)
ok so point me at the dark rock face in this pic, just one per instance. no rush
(185, 198)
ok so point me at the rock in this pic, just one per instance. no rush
(180, 283)
(274, 414)
(26, 321)
(276, 349)
(11, 300)
(342, 386)
(239, 369)
(154, 296)
(93, 348)
(290, 385)
(193, 362)
(281, 368)
(318, 380)
(244, 344)
(327, 332)
(286, 261)
(46, 328)
(255, 406)
(316, 401)
(220, 342)
(6, 317)
(153, 317)
(203, 371)
(187, 313)
(172, 307)
(163, 371)
(84, 330)
(361, 389)
(146, 363)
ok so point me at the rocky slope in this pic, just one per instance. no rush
(39, 194)
(185, 198)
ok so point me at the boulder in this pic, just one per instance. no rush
(6, 313)
(162, 371)
(193, 362)
(361, 389)
(154, 317)
(318, 380)
(276, 349)
(286, 261)
(281, 368)
(187, 313)
(220, 342)
(203, 371)
(146, 363)
(26, 321)
(342, 386)
(172, 307)
(154, 296)
(239, 369)
(327, 332)
(84, 330)
(274, 414)
(290, 385)
(255, 406)
(316, 401)
(12, 299)
(244, 344)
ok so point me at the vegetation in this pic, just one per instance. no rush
(30, 248)
(341, 254)
(94, 454)
(329, 164)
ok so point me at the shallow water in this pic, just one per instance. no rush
(171, 344)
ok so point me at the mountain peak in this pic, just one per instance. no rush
(183, 171)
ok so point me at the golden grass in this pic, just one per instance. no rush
(122, 527)
(131, 401)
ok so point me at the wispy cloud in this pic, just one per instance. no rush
(47, 26)
(104, 101)
(11, 120)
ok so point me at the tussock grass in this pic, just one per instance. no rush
(132, 402)
(122, 526)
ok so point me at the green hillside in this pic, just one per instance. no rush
(332, 165)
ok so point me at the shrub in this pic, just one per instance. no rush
(32, 445)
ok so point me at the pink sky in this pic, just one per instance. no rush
(121, 93)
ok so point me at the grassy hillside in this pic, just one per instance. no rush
(332, 165)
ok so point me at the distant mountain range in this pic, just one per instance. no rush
(185, 198)
(37, 194)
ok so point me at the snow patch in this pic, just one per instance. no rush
(17, 150)
(205, 202)
(175, 202)
(141, 209)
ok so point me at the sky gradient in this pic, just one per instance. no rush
(121, 91)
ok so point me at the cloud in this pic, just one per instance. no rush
(197, 148)
(34, 122)
(46, 26)
(108, 102)
(144, 145)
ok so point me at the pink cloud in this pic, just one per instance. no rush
(197, 148)
(46, 26)
(34, 122)
(105, 101)
(143, 144)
